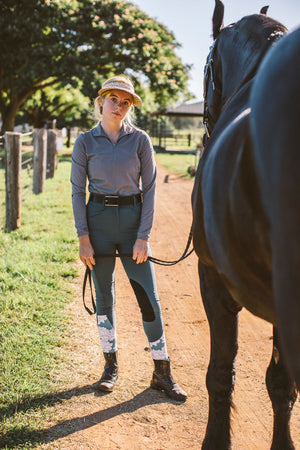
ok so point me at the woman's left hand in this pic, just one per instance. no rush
(140, 251)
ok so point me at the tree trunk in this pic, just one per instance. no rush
(10, 110)
(8, 119)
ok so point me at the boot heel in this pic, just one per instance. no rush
(162, 380)
(110, 375)
(153, 385)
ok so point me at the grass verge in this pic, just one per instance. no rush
(36, 268)
(177, 164)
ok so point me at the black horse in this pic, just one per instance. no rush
(246, 206)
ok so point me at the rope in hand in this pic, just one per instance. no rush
(161, 262)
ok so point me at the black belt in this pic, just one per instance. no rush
(116, 200)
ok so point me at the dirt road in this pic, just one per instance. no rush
(133, 416)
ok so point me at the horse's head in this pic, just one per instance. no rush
(234, 57)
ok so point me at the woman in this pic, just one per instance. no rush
(115, 157)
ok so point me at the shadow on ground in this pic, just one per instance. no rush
(24, 435)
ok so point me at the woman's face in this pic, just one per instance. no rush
(116, 105)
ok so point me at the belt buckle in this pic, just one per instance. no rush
(111, 200)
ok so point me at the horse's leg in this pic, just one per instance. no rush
(222, 314)
(283, 394)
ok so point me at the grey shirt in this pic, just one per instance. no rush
(124, 168)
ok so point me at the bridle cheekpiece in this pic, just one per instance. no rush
(208, 76)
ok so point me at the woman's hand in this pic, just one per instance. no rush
(140, 251)
(86, 251)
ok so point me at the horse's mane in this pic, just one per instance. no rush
(262, 30)
(262, 25)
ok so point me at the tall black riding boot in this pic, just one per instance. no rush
(162, 380)
(110, 374)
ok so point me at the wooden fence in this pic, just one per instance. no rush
(41, 158)
(167, 141)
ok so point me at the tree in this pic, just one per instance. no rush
(46, 42)
(55, 102)
(33, 51)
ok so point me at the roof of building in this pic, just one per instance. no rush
(183, 110)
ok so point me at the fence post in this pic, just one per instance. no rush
(51, 153)
(13, 149)
(68, 137)
(39, 159)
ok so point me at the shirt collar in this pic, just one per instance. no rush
(98, 130)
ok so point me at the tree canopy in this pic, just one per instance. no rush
(66, 105)
(81, 43)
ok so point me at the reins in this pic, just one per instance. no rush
(88, 275)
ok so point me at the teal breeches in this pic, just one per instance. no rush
(115, 229)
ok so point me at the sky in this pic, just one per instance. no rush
(191, 23)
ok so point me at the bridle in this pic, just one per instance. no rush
(208, 77)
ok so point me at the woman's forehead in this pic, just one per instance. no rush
(121, 94)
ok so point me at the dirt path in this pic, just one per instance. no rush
(133, 416)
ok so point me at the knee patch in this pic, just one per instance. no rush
(148, 314)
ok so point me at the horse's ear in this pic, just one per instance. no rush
(264, 10)
(218, 18)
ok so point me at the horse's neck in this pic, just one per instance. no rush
(240, 66)
(235, 107)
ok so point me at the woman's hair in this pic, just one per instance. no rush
(129, 118)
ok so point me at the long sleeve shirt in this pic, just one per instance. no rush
(126, 167)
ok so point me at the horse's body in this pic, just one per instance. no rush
(247, 212)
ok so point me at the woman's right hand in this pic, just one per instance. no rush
(86, 251)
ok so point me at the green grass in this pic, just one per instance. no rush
(36, 266)
(177, 164)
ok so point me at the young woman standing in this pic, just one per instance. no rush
(117, 159)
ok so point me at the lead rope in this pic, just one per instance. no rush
(161, 262)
